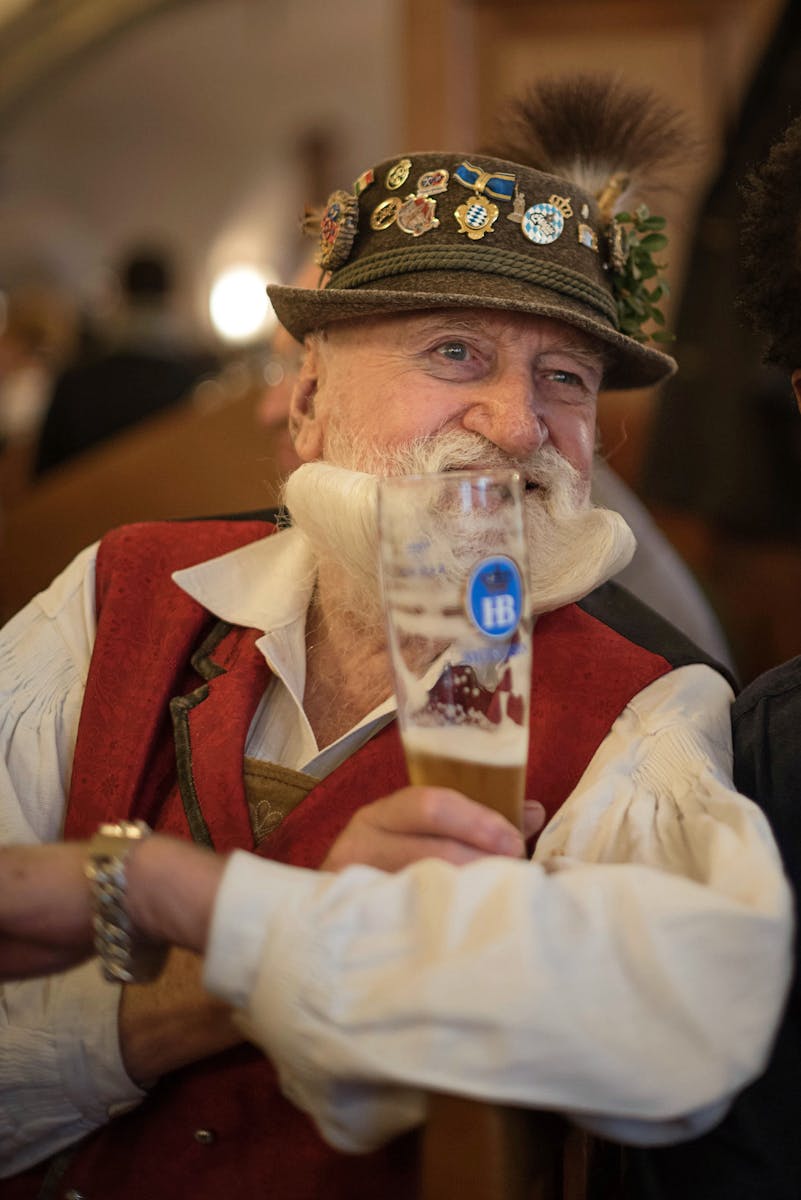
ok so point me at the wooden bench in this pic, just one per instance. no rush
(191, 461)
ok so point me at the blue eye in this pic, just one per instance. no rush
(568, 377)
(455, 351)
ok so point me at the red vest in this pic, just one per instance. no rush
(168, 682)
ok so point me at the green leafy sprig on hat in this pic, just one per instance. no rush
(635, 276)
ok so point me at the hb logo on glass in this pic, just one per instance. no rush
(495, 596)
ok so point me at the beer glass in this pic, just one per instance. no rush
(454, 577)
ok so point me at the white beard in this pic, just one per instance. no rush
(572, 547)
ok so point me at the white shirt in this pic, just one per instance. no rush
(609, 1007)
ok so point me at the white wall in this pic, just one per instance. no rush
(187, 127)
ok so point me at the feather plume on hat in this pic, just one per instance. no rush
(611, 139)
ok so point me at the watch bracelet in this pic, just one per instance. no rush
(126, 956)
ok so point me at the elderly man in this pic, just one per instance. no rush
(230, 684)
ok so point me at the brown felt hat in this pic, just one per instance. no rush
(446, 231)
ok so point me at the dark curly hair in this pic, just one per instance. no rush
(771, 244)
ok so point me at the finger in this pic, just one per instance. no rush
(534, 817)
(387, 851)
(445, 813)
(420, 822)
(394, 853)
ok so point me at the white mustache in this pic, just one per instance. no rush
(573, 547)
(453, 450)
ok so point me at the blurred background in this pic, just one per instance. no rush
(155, 158)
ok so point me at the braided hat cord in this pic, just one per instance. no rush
(487, 260)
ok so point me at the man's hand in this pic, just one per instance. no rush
(428, 822)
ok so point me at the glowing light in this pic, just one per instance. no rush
(238, 304)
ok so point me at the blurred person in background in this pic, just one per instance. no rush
(37, 335)
(657, 574)
(722, 468)
(143, 365)
(756, 1153)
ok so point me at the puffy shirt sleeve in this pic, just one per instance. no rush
(631, 975)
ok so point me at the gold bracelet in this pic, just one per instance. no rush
(126, 956)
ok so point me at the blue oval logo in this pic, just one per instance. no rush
(495, 596)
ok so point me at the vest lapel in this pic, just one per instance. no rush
(124, 761)
(211, 726)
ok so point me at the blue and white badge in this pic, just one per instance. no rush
(476, 217)
(542, 223)
(495, 596)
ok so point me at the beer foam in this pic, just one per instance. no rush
(501, 746)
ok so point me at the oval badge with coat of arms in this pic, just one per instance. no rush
(476, 217)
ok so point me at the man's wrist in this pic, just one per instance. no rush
(172, 888)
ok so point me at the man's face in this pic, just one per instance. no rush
(520, 382)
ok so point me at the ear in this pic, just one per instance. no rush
(305, 426)
(795, 380)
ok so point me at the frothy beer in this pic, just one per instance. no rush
(489, 767)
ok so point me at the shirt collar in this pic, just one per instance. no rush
(267, 585)
(264, 585)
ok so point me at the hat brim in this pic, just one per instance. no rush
(631, 364)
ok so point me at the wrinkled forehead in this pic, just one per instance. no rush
(399, 328)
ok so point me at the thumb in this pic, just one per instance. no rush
(534, 817)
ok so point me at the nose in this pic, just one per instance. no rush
(504, 411)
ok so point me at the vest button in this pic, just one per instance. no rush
(204, 1136)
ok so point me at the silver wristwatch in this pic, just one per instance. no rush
(126, 956)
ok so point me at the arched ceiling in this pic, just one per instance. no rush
(40, 38)
(207, 124)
